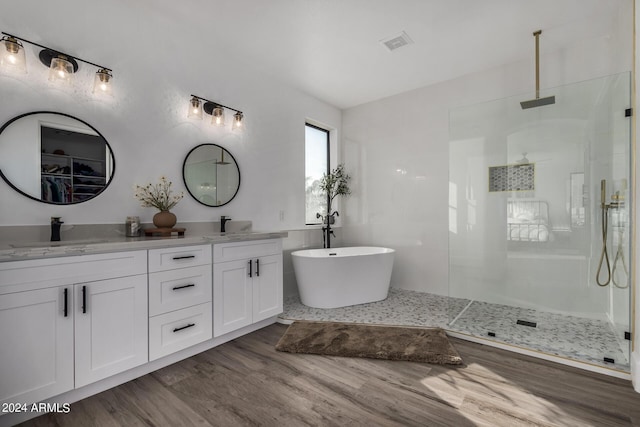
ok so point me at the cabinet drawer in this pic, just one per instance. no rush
(179, 329)
(184, 256)
(223, 252)
(176, 289)
(61, 271)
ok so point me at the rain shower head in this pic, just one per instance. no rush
(221, 161)
(538, 102)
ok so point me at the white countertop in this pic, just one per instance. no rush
(22, 250)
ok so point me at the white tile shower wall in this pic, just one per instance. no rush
(145, 123)
(397, 149)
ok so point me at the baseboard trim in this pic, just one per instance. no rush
(635, 371)
(77, 394)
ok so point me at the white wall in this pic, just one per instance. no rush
(397, 149)
(145, 123)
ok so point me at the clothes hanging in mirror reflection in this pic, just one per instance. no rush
(56, 190)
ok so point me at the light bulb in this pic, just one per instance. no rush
(237, 121)
(195, 110)
(217, 116)
(12, 57)
(61, 69)
(102, 82)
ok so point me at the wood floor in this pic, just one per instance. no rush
(246, 382)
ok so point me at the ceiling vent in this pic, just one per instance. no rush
(397, 41)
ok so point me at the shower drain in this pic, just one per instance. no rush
(527, 323)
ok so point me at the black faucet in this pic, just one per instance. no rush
(327, 232)
(223, 221)
(55, 228)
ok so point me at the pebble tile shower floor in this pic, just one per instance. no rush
(583, 340)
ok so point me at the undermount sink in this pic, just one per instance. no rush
(229, 233)
(57, 244)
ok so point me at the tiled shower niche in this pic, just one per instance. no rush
(518, 177)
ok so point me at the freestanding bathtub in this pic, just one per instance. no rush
(339, 277)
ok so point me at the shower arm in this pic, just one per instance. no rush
(537, 101)
(537, 36)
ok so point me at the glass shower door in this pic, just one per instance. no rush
(526, 221)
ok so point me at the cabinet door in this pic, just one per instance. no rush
(231, 296)
(267, 287)
(111, 327)
(36, 345)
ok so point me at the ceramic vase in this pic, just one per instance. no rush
(164, 219)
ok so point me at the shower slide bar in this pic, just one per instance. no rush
(617, 201)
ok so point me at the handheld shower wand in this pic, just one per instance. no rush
(604, 256)
(619, 259)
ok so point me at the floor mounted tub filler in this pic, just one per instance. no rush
(339, 277)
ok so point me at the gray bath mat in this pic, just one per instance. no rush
(428, 345)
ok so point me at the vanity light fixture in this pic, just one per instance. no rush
(195, 108)
(215, 110)
(102, 82)
(217, 116)
(12, 55)
(61, 65)
(237, 121)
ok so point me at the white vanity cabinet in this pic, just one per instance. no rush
(179, 298)
(110, 327)
(86, 321)
(36, 344)
(247, 283)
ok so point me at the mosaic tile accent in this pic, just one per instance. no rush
(407, 308)
(583, 340)
(518, 177)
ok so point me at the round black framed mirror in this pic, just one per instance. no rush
(55, 158)
(211, 175)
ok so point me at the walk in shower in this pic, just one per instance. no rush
(539, 222)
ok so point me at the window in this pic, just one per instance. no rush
(316, 163)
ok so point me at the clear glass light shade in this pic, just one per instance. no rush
(217, 116)
(12, 57)
(195, 109)
(238, 121)
(61, 70)
(102, 84)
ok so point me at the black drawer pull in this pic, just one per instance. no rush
(184, 327)
(84, 299)
(257, 267)
(190, 285)
(250, 268)
(66, 302)
(184, 257)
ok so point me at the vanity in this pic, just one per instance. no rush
(78, 317)
(81, 318)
